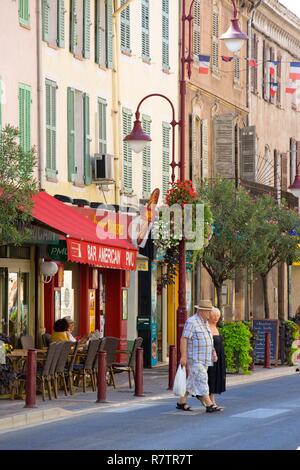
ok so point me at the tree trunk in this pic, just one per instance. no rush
(219, 296)
(265, 291)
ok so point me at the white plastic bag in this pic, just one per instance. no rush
(179, 387)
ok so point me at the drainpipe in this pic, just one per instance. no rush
(40, 157)
(250, 22)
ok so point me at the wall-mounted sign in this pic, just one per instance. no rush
(58, 252)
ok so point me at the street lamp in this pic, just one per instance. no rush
(138, 139)
(295, 187)
(234, 37)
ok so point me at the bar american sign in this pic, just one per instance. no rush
(101, 255)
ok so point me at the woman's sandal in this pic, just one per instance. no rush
(218, 408)
(183, 407)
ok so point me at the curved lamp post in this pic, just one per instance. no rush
(138, 139)
(295, 187)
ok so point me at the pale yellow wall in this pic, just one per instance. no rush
(18, 63)
(137, 79)
(295, 295)
(84, 75)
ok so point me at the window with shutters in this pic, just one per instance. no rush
(166, 150)
(204, 148)
(284, 180)
(125, 29)
(224, 146)
(248, 143)
(127, 152)
(102, 138)
(195, 147)
(266, 72)
(272, 78)
(25, 117)
(100, 32)
(254, 56)
(53, 22)
(197, 28)
(146, 182)
(145, 30)
(51, 129)
(165, 35)
(80, 28)
(79, 167)
(215, 39)
(277, 174)
(109, 33)
(293, 159)
(237, 69)
(24, 12)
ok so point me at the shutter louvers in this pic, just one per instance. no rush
(224, 146)
(45, 20)
(87, 139)
(284, 180)
(166, 129)
(204, 148)
(109, 34)
(293, 158)
(146, 123)
(102, 105)
(73, 32)
(125, 29)
(165, 35)
(50, 129)
(197, 28)
(61, 24)
(215, 40)
(145, 30)
(71, 134)
(248, 153)
(127, 152)
(87, 29)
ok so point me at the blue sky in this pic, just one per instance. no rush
(293, 5)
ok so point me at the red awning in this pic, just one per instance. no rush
(83, 244)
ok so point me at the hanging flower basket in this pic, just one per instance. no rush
(181, 192)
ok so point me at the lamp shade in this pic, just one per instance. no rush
(234, 37)
(295, 187)
(137, 139)
(49, 268)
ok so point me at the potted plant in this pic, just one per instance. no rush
(7, 374)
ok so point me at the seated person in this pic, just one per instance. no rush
(60, 331)
(70, 329)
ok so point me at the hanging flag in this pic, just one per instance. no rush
(272, 68)
(204, 64)
(227, 58)
(252, 62)
(295, 71)
(273, 88)
(291, 88)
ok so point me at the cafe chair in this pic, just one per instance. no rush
(27, 342)
(129, 366)
(86, 368)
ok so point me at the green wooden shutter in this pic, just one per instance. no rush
(165, 35)
(102, 106)
(87, 29)
(125, 28)
(145, 30)
(197, 28)
(248, 151)
(50, 129)
(204, 148)
(25, 117)
(45, 19)
(71, 133)
(127, 152)
(224, 146)
(73, 38)
(98, 38)
(146, 123)
(24, 13)
(109, 34)
(87, 139)
(166, 130)
(61, 23)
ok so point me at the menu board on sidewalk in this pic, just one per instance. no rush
(261, 327)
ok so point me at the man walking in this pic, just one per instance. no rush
(197, 352)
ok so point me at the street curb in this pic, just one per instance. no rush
(35, 417)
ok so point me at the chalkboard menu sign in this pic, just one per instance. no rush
(261, 327)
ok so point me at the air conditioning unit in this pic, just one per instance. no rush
(103, 168)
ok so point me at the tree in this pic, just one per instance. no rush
(231, 245)
(17, 186)
(273, 240)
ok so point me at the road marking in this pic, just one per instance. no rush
(260, 413)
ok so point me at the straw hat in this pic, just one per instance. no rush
(204, 305)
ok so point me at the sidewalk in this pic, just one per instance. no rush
(13, 415)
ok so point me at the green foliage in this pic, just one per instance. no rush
(17, 186)
(274, 244)
(231, 244)
(237, 345)
(292, 331)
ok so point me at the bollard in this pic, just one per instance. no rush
(139, 373)
(172, 366)
(267, 351)
(30, 400)
(101, 377)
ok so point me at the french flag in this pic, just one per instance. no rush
(295, 71)
(204, 61)
(291, 88)
(227, 58)
(252, 62)
(272, 68)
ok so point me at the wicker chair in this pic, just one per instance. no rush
(61, 365)
(46, 338)
(70, 366)
(87, 367)
(109, 344)
(129, 366)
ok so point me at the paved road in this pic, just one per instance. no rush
(263, 415)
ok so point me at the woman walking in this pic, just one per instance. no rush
(217, 372)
